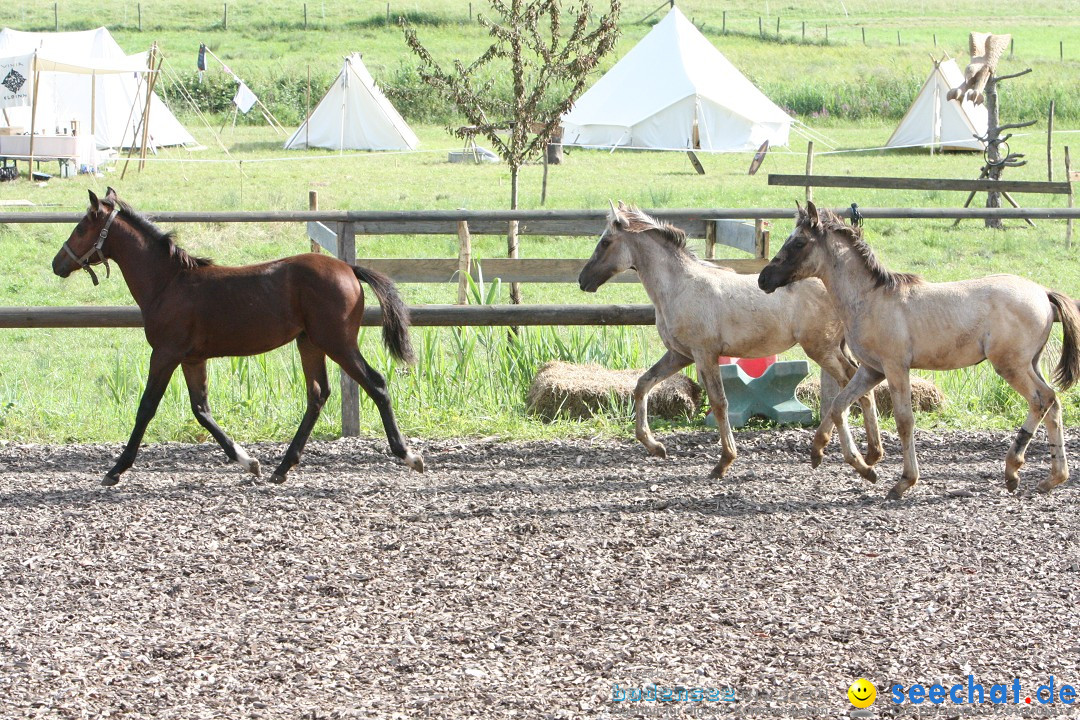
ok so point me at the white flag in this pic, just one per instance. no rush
(244, 99)
(16, 81)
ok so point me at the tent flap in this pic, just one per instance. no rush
(87, 77)
(354, 115)
(936, 121)
(670, 83)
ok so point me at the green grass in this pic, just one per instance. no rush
(267, 45)
(58, 385)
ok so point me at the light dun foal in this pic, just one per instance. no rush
(703, 311)
(895, 322)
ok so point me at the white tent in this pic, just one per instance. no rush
(354, 115)
(86, 77)
(936, 121)
(671, 84)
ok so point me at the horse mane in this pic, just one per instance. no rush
(638, 221)
(883, 277)
(165, 240)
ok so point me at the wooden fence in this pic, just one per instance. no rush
(339, 230)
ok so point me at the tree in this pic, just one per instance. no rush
(548, 68)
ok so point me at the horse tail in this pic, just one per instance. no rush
(395, 315)
(1067, 372)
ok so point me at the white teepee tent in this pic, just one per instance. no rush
(672, 86)
(937, 121)
(85, 76)
(354, 115)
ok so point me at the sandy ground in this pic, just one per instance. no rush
(532, 580)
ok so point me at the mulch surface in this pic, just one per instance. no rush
(528, 580)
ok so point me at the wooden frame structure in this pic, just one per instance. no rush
(712, 225)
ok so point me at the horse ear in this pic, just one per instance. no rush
(614, 217)
(110, 194)
(811, 212)
(95, 204)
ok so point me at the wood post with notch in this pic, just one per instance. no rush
(1069, 178)
(464, 261)
(313, 204)
(350, 391)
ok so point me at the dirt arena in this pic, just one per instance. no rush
(532, 580)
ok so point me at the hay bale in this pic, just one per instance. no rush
(580, 391)
(925, 395)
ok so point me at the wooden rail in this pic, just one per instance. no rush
(897, 183)
(342, 227)
(422, 316)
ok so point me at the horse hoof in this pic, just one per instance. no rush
(816, 456)
(277, 478)
(873, 456)
(869, 474)
(893, 495)
(1012, 483)
(254, 468)
(1047, 485)
(658, 450)
(110, 480)
(414, 460)
(717, 472)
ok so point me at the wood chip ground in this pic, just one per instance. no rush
(527, 580)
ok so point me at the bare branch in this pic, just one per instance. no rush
(1010, 77)
(548, 72)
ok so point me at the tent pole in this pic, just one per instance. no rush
(150, 81)
(93, 103)
(344, 95)
(33, 119)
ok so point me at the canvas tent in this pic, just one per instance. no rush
(354, 115)
(671, 84)
(936, 121)
(86, 77)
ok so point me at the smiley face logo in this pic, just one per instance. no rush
(862, 693)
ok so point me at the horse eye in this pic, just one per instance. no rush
(604, 242)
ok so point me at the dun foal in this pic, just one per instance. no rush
(895, 322)
(703, 312)
(194, 310)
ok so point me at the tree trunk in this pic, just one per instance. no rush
(512, 236)
(993, 151)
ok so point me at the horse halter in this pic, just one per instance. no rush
(84, 261)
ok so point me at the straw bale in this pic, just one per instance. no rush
(563, 389)
(925, 395)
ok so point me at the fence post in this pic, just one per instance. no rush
(864, 36)
(464, 261)
(1069, 179)
(140, 17)
(305, 16)
(56, 16)
(225, 18)
(1050, 144)
(761, 237)
(710, 238)
(313, 204)
(809, 170)
(350, 391)
(723, 26)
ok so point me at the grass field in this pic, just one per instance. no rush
(58, 385)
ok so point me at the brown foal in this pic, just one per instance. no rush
(194, 310)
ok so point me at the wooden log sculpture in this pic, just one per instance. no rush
(986, 49)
